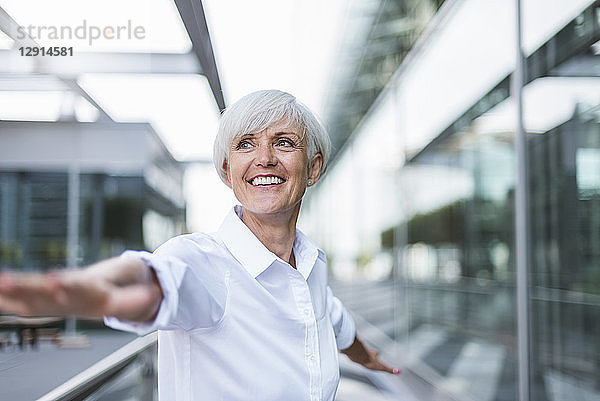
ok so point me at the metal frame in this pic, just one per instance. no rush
(192, 14)
(522, 240)
(200, 61)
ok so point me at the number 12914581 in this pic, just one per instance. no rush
(46, 51)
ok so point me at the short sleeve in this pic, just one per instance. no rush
(344, 327)
(194, 289)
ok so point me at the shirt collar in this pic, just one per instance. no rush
(253, 255)
(306, 254)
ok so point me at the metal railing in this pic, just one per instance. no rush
(138, 355)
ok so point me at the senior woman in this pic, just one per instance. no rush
(244, 313)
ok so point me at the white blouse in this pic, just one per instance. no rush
(237, 323)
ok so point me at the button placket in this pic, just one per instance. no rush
(311, 345)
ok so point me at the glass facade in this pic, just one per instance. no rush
(122, 199)
(116, 213)
(565, 267)
(417, 213)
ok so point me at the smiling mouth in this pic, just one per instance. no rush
(265, 180)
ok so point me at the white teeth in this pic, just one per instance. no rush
(270, 180)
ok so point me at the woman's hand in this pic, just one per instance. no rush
(369, 358)
(123, 287)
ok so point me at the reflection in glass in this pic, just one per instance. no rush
(565, 209)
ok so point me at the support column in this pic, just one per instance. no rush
(522, 239)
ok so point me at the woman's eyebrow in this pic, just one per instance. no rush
(286, 133)
(280, 133)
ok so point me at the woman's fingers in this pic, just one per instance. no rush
(54, 293)
(8, 305)
(24, 294)
(376, 364)
(121, 287)
(385, 368)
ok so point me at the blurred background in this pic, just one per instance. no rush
(106, 146)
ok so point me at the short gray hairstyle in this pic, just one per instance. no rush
(256, 111)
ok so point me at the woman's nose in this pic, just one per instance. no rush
(265, 156)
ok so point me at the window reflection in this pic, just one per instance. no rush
(446, 215)
(565, 277)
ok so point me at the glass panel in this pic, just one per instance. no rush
(458, 262)
(426, 247)
(541, 115)
(448, 74)
(33, 220)
(452, 223)
(565, 221)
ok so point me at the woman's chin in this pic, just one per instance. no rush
(267, 208)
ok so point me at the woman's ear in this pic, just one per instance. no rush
(225, 168)
(314, 169)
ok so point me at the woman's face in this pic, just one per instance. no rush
(268, 171)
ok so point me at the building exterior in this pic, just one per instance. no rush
(420, 202)
(79, 180)
(129, 185)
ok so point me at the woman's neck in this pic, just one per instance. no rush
(275, 231)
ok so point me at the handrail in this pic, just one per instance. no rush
(86, 382)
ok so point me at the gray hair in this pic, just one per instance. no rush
(256, 111)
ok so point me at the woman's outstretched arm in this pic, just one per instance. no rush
(123, 287)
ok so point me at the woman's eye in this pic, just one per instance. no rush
(284, 142)
(243, 145)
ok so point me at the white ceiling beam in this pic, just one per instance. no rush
(70, 67)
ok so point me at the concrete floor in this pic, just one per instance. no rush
(30, 373)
